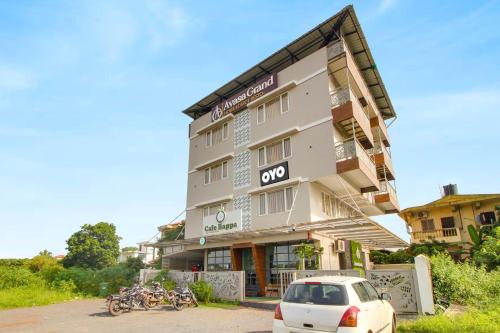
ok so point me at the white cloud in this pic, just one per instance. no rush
(12, 78)
(385, 5)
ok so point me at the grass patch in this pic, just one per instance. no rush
(219, 304)
(485, 320)
(29, 296)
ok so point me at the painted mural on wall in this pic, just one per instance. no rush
(400, 285)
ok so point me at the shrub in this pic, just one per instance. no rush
(463, 283)
(202, 290)
(485, 321)
(134, 264)
(14, 262)
(116, 277)
(12, 277)
(41, 261)
(84, 279)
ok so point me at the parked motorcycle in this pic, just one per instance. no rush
(186, 296)
(128, 299)
(157, 295)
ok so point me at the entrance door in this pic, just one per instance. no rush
(251, 286)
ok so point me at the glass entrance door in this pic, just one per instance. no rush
(251, 287)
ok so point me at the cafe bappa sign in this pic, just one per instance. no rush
(223, 222)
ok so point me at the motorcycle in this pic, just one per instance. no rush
(128, 299)
(158, 295)
(186, 296)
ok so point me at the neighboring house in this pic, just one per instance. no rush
(144, 251)
(296, 149)
(446, 219)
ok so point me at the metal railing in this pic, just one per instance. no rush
(386, 187)
(437, 233)
(351, 149)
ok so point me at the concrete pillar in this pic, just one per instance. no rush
(424, 281)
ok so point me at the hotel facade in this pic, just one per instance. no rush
(295, 150)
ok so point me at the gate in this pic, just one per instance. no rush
(400, 284)
(288, 276)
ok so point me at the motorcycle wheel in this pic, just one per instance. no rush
(195, 301)
(114, 308)
(178, 306)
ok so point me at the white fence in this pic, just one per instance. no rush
(228, 285)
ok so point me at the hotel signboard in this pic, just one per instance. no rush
(274, 174)
(223, 222)
(240, 100)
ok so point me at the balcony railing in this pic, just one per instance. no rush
(352, 149)
(386, 187)
(437, 233)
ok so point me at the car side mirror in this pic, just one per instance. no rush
(385, 297)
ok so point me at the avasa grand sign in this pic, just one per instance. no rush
(240, 100)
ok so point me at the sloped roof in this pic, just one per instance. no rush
(344, 21)
(451, 200)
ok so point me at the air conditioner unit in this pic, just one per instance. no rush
(339, 245)
(422, 215)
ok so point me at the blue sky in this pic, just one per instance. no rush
(91, 94)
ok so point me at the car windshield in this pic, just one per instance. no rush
(324, 294)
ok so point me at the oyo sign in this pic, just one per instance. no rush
(274, 174)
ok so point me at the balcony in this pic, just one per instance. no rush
(379, 129)
(350, 116)
(354, 164)
(387, 198)
(383, 161)
(448, 235)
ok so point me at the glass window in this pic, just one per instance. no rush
(287, 148)
(275, 202)
(487, 218)
(427, 225)
(274, 152)
(273, 109)
(225, 131)
(206, 211)
(209, 138)
(262, 202)
(219, 259)
(447, 222)
(207, 176)
(324, 294)
(262, 158)
(224, 170)
(284, 103)
(361, 292)
(215, 173)
(217, 135)
(289, 197)
(371, 291)
(261, 115)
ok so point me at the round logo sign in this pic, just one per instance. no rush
(203, 241)
(220, 216)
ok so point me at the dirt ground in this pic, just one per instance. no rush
(92, 316)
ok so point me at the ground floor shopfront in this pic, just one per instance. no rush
(262, 255)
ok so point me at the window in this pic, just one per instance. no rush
(275, 152)
(216, 173)
(372, 293)
(427, 225)
(323, 294)
(209, 138)
(361, 292)
(284, 103)
(487, 218)
(276, 201)
(224, 169)
(214, 209)
(261, 114)
(225, 131)
(219, 259)
(216, 135)
(207, 176)
(447, 222)
(262, 203)
(272, 109)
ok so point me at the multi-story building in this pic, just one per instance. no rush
(295, 149)
(447, 219)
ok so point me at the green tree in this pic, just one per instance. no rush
(93, 246)
(42, 261)
(130, 249)
(134, 264)
(488, 252)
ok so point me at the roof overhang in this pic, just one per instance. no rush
(360, 229)
(345, 23)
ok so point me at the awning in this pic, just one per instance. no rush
(361, 229)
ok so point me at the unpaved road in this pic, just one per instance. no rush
(92, 316)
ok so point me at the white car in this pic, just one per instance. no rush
(339, 304)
